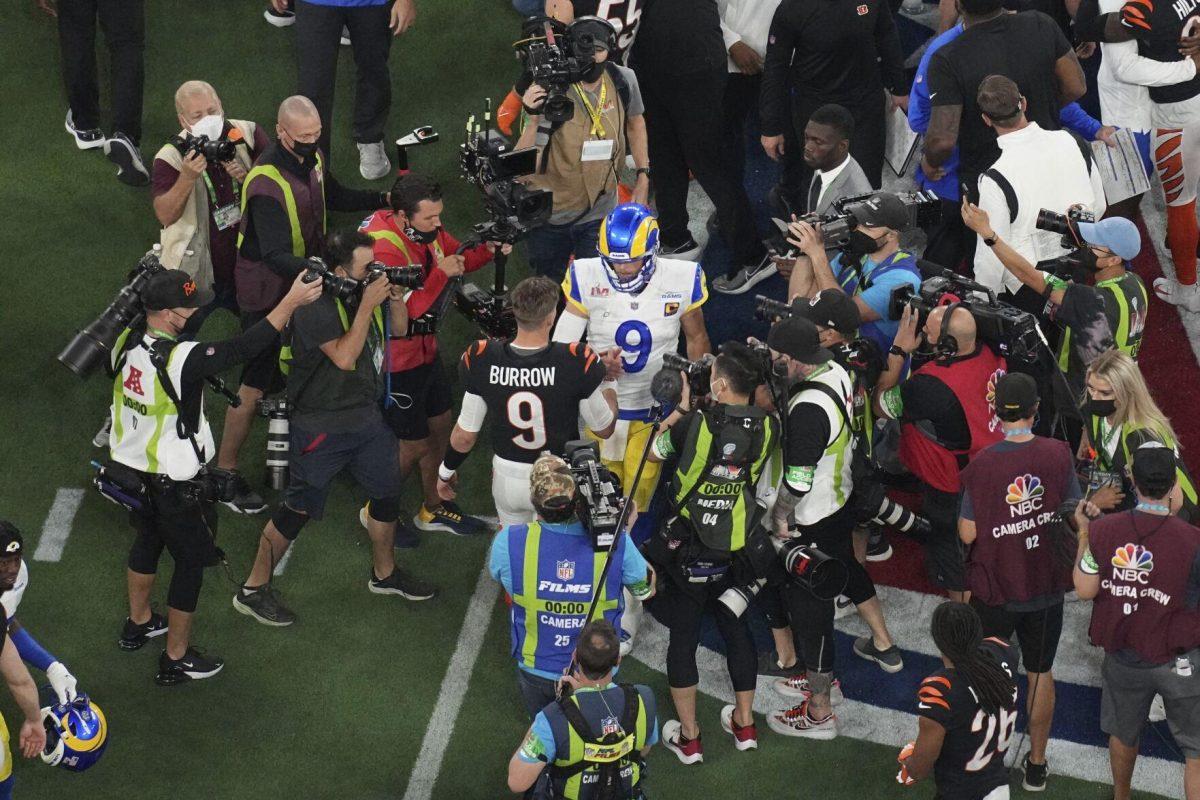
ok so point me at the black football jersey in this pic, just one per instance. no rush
(624, 16)
(1157, 25)
(532, 399)
(971, 763)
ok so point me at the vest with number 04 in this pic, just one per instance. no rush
(581, 757)
(145, 430)
(1126, 306)
(285, 352)
(832, 480)
(553, 578)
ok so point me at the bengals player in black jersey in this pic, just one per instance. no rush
(536, 392)
(967, 711)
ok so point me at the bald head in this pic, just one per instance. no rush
(298, 126)
(960, 325)
(297, 109)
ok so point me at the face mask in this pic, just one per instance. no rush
(303, 150)
(211, 126)
(1101, 408)
(421, 237)
(594, 72)
(1090, 260)
(862, 243)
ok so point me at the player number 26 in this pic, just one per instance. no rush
(639, 347)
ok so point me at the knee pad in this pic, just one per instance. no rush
(288, 522)
(386, 509)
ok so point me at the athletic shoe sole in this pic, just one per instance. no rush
(83, 144)
(782, 689)
(242, 608)
(174, 678)
(244, 510)
(128, 162)
(889, 668)
(279, 20)
(1030, 788)
(824, 733)
(433, 527)
(416, 598)
(691, 254)
(754, 280)
(670, 730)
(727, 726)
(129, 645)
(883, 556)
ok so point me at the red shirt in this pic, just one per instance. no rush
(394, 249)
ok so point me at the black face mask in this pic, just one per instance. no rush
(594, 72)
(304, 150)
(1101, 408)
(1090, 260)
(421, 237)
(862, 244)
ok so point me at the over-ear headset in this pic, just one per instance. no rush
(946, 345)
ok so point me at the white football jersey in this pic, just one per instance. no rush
(645, 325)
(11, 599)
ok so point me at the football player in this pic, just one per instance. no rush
(632, 299)
(967, 711)
(623, 15)
(538, 391)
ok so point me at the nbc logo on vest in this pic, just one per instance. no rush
(1024, 495)
(1133, 562)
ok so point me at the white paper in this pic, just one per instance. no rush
(1120, 167)
(901, 142)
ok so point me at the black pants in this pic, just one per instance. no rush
(318, 34)
(682, 137)
(866, 145)
(949, 242)
(739, 104)
(686, 604)
(187, 530)
(124, 26)
(943, 550)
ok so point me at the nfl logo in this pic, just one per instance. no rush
(863, 10)
(609, 725)
(566, 570)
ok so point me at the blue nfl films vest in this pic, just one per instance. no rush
(553, 575)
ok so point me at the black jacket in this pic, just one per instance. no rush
(677, 38)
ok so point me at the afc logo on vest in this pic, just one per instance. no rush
(134, 382)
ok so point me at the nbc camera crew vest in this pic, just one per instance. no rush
(580, 755)
(1125, 307)
(973, 382)
(832, 480)
(259, 288)
(1015, 491)
(554, 574)
(145, 423)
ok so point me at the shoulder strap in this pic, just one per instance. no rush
(1010, 194)
(832, 395)
(632, 703)
(1085, 150)
(623, 90)
(570, 709)
(160, 357)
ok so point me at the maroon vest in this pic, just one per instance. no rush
(973, 382)
(1144, 561)
(1014, 494)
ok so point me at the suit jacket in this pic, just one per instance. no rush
(850, 182)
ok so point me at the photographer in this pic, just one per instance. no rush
(198, 201)
(579, 159)
(718, 449)
(418, 406)
(945, 420)
(868, 269)
(335, 391)
(162, 439)
(1017, 569)
(558, 551)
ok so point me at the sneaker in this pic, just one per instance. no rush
(746, 278)
(373, 162)
(795, 721)
(403, 584)
(406, 537)
(1186, 296)
(245, 500)
(687, 251)
(744, 737)
(85, 139)
(133, 635)
(125, 154)
(101, 437)
(1158, 711)
(769, 664)
(449, 517)
(264, 605)
(889, 660)
(280, 19)
(1034, 775)
(842, 607)
(797, 686)
(345, 40)
(689, 751)
(878, 548)
(194, 666)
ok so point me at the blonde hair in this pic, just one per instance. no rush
(1135, 407)
(194, 89)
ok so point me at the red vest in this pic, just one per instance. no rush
(1014, 494)
(1145, 561)
(973, 381)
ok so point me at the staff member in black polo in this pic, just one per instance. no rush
(284, 200)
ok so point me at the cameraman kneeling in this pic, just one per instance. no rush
(721, 453)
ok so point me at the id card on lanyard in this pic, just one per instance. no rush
(600, 149)
(226, 216)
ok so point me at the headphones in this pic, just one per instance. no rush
(946, 345)
(584, 32)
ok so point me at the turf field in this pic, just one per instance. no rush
(338, 705)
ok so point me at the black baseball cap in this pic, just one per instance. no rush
(881, 210)
(1154, 467)
(831, 308)
(798, 338)
(11, 543)
(1015, 397)
(174, 288)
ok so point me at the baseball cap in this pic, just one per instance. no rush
(1116, 233)
(1017, 394)
(174, 288)
(798, 338)
(11, 543)
(1154, 466)
(831, 308)
(551, 484)
(881, 210)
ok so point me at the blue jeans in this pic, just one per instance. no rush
(529, 8)
(536, 692)
(551, 247)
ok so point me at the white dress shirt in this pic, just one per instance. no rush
(746, 21)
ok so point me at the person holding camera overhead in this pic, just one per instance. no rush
(284, 201)
(160, 445)
(335, 390)
(580, 156)
(721, 452)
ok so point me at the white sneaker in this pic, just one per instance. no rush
(746, 278)
(101, 437)
(85, 139)
(631, 620)
(373, 162)
(690, 751)
(744, 738)
(795, 721)
(842, 607)
(280, 19)
(1158, 711)
(797, 686)
(345, 40)
(1186, 296)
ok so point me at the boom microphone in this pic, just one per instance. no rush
(667, 388)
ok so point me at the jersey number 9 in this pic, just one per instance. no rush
(526, 414)
(639, 348)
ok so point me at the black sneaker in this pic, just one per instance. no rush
(1034, 777)
(450, 518)
(133, 636)
(85, 138)
(746, 278)
(878, 548)
(125, 154)
(264, 605)
(686, 251)
(768, 664)
(403, 584)
(889, 660)
(194, 666)
(245, 500)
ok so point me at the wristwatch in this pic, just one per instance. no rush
(642, 171)
(897, 350)
(990, 241)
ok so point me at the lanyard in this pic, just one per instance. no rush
(1105, 440)
(212, 193)
(595, 112)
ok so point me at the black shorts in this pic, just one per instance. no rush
(262, 371)
(1037, 631)
(417, 395)
(316, 457)
(944, 559)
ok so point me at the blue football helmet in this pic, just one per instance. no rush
(628, 233)
(76, 734)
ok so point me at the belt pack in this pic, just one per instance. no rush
(122, 485)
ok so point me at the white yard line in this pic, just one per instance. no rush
(57, 527)
(283, 562)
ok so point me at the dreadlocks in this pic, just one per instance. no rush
(958, 633)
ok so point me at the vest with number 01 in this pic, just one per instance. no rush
(832, 480)
(582, 756)
(145, 429)
(285, 352)
(1122, 461)
(1125, 306)
(553, 578)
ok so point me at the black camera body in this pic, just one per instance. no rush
(598, 493)
(409, 276)
(924, 208)
(492, 312)
(488, 162)
(1070, 266)
(777, 562)
(698, 373)
(557, 56)
(331, 282)
(213, 150)
(211, 485)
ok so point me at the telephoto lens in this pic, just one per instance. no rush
(736, 599)
(277, 443)
(823, 576)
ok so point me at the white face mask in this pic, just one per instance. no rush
(210, 126)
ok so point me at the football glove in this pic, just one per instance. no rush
(902, 777)
(62, 681)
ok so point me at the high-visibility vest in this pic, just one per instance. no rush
(1125, 305)
(272, 172)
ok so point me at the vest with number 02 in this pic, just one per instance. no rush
(554, 575)
(285, 352)
(583, 757)
(145, 423)
(832, 480)
(1125, 306)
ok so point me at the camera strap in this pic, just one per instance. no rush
(160, 356)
